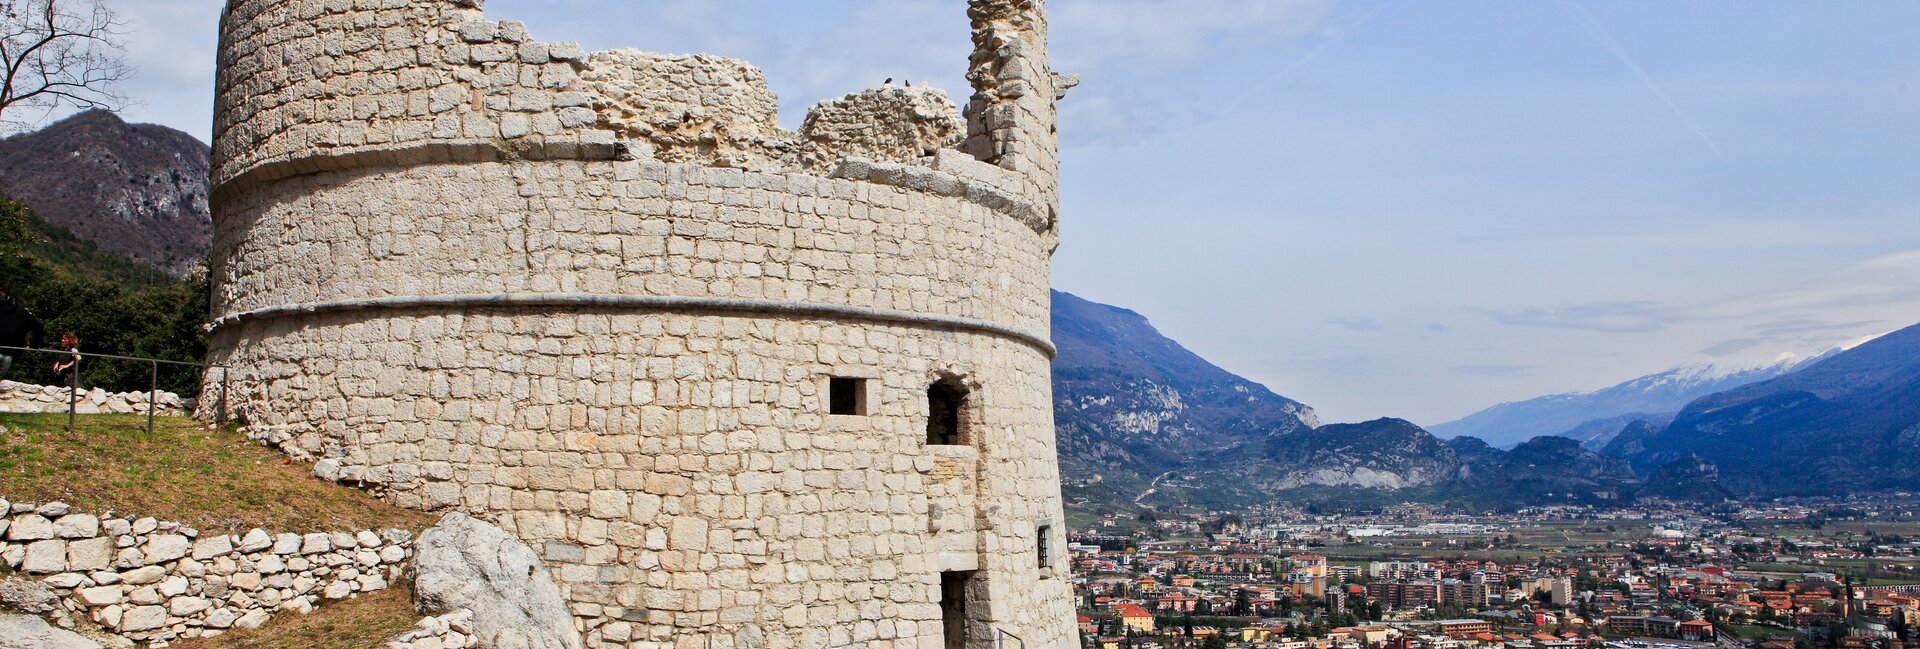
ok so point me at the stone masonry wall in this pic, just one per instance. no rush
(598, 298)
(27, 397)
(154, 581)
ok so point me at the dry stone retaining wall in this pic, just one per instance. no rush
(153, 581)
(27, 397)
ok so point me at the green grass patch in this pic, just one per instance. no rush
(186, 471)
(364, 621)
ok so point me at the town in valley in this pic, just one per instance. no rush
(1776, 575)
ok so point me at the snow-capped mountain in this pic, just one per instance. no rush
(1657, 395)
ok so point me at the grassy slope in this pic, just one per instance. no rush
(364, 621)
(185, 471)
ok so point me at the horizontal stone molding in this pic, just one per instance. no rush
(980, 183)
(411, 154)
(1036, 340)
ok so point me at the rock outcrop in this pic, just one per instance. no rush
(30, 632)
(467, 564)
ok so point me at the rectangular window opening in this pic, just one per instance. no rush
(846, 396)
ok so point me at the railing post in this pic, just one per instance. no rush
(153, 396)
(223, 395)
(73, 395)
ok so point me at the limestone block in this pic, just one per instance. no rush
(255, 540)
(161, 548)
(31, 527)
(99, 596)
(143, 618)
(77, 526)
(44, 557)
(144, 575)
(90, 554)
(209, 547)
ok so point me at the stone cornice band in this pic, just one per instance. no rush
(643, 303)
(984, 192)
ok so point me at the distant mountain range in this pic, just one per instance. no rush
(138, 190)
(1848, 423)
(1591, 416)
(1143, 422)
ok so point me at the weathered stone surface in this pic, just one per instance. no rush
(90, 554)
(26, 397)
(46, 557)
(31, 632)
(161, 548)
(27, 595)
(77, 526)
(255, 540)
(465, 563)
(31, 527)
(143, 618)
(100, 595)
(210, 547)
(144, 575)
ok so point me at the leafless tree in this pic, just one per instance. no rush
(59, 53)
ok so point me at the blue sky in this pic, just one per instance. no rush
(1411, 209)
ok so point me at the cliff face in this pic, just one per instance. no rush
(139, 190)
(1389, 454)
(1130, 404)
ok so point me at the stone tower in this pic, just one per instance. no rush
(743, 387)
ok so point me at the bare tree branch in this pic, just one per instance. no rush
(59, 53)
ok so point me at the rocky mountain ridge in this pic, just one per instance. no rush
(1143, 422)
(1845, 424)
(139, 190)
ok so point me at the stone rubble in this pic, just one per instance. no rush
(30, 398)
(158, 581)
(453, 630)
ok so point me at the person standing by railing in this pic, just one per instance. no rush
(69, 370)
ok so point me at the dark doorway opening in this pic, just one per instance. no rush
(953, 608)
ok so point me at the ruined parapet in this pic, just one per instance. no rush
(1012, 118)
(884, 124)
(689, 108)
(604, 301)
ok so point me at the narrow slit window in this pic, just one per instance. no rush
(946, 402)
(1044, 546)
(846, 396)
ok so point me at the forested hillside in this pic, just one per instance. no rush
(114, 305)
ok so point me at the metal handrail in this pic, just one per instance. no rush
(69, 352)
(153, 385)
(1000, 643)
